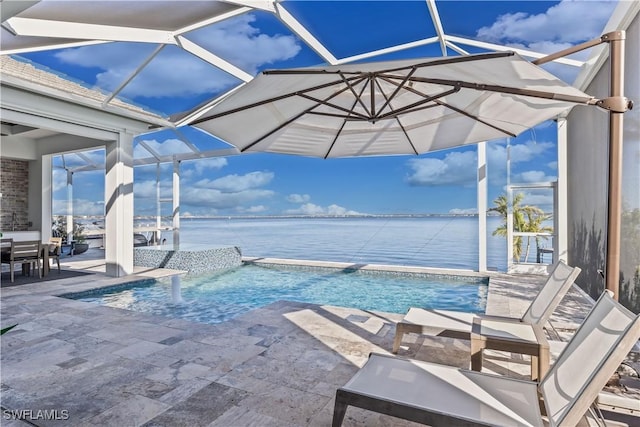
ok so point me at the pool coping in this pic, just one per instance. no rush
(366, 267)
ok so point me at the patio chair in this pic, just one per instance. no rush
(55, 250)
(440, 395)
(458, 324)
(27, 252)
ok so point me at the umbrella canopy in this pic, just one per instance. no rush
(393, 107)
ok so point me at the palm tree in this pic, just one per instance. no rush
(535, 220)
(525, 219)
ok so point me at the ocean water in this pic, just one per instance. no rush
(446, 242)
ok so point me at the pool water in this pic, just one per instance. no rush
(220, 297)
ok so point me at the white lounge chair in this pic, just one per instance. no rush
(459, 324)
(440, 395)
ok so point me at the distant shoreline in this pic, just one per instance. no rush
(228, 217)
(327, 216)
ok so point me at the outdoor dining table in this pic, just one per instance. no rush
(5, 247)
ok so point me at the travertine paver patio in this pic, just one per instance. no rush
(275, 366)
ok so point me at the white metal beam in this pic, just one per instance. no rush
(212, 59)
(482, 191)
(153, 152)
(87, 159)
(386, 50)
(501, 48)
(202, 110)
(621, 18)
(176, 203)
(223, 152)
(81, 31)
(266, 5)
(435, 18)
(212, 20)
(186, 142)
(50, 46)
(301, 31)
(456, 48)
(132, 75)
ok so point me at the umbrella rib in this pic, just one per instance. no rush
(294, 118)
(398, 87)
(349, 112)
(373, 96)
(410, 108)
(404, 131)
(471, 116)
(344, 122)
(507, 89)
(464, 113)
(357, 96)
(276, 98)
(335, 138)
(331, 105)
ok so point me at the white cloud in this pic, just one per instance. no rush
(147, 189)
(242, 44)
(202, 166)
(542, 200)
(214, 198)
(58, 179)
(455, 169)
(84, 158)
(171, 73)
(312, 209)
(164, 148)
(519, 153)
(80, 207)
(566, 22)
(533, 176)
(208, 196)
(467, 211)
(174, 72)
(236, 183)
(298, 198)
(562, 25)
(553, 165)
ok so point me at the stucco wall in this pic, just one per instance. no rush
(588, 132)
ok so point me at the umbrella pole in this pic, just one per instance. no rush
(612, 269)
(617, 104)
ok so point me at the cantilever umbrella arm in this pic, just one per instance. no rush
(617, 105)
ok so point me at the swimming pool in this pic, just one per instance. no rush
(220, 297)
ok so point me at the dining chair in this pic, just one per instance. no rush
(55, 249)
(27, 252)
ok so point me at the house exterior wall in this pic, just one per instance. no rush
(588, 133)
(14, 186)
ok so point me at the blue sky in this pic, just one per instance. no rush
(270, 184)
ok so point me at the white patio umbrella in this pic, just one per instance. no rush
(415, 106)
(393, 107)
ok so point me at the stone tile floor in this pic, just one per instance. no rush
(276, 366)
